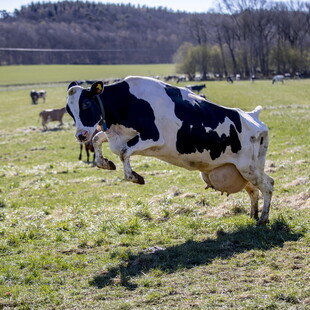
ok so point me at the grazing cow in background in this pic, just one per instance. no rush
(278, 78)
(297, 75)
(52, 115)
(181, 78)
(170, 77)
(144, 116)
(36, 95)
(229, 79)
(88, 148)
(196, 88)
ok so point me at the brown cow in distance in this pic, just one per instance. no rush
(52, 115)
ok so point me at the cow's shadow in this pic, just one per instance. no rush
(192, 253)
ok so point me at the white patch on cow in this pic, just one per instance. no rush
(222, 128)
(118, 136)
(252, 123)
(163, 107)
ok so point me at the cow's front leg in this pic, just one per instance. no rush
(136, 145)
(130, 175)
(101, 162)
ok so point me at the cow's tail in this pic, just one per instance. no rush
(255, 113)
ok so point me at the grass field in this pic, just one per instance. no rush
(73, 236)
(16, 75)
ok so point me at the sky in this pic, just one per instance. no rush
(199, 6)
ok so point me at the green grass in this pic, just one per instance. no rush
(16, 75)
(76, 237)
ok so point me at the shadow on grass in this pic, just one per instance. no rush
(54, 129)
(191, 253)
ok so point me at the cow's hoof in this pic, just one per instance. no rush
(136, 178)
(106, 164)
(111, 165)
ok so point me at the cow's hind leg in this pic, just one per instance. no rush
(265, 184)
(266, 187)
(101, 162)
(254, 195)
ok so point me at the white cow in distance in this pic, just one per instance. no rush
(278, 78)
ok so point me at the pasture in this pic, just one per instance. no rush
(17, 75)
(73, 236)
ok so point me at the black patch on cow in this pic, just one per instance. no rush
(133, 141)
(192, 135)
(123, 108)
(89, 109)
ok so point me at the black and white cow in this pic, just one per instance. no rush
(196, 88)
(148, 117)
(36, 95)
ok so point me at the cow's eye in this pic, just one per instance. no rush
(86, 104)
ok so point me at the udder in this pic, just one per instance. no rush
(225, 178)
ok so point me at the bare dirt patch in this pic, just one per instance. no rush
(299, 201)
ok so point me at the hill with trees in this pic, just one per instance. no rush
(91, 33)
(249, 37)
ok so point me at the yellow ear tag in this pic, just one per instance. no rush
(98, 88)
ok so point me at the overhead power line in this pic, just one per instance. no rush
(80, 50)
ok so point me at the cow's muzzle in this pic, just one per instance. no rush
(83, 136)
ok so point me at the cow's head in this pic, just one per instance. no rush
(84, 110)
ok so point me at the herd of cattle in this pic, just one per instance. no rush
(146, 116)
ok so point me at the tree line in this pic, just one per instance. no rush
(250, 38)
(246, 37)
(90, 33)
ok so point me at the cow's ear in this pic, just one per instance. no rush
(72, 84)
(96, 88)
